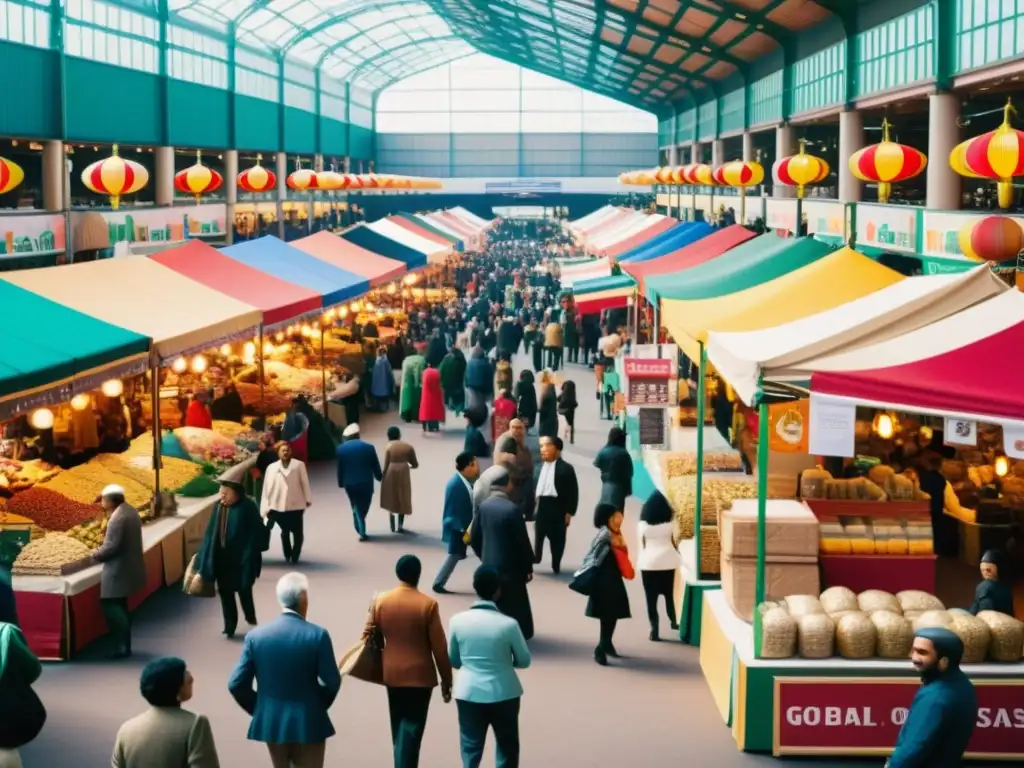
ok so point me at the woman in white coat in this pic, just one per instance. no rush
(658, 559)
(286, 495)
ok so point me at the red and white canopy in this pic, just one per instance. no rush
(588, 270)
(967, 365)
(590, 219)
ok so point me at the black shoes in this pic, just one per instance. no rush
(609, 649)
(654, 637)
(439, 589)
(391, 521)
(600, 656)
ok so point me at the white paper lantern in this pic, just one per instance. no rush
(80, 402)
(112, 388)
(41, 419)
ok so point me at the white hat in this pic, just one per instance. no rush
(113, 490)
(351, 430)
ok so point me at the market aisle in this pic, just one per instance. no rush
(645, 710)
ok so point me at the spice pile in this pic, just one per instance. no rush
(51, 510)
(49, 555)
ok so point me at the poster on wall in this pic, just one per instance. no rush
(788, 430)
(890, 227)
(825, 217)
(832, 427)
(942, 239)
(780, 214)
(145, 230)
(39, 237)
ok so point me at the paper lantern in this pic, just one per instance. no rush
(958, 160)
(886, 163)
(257, 179)
(800, 170)
(663, 175)
(698, 173)
(302, 179)
(997, 155)
(115, 177)
(739, 174)
(41, 419)
(11, 175)
(197, 180)
(329, 180)
(993, 238)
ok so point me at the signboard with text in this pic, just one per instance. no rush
(825, 217)
(650, 368)
(648, 391)
(890, 227)
(652, 426)
(863, 716)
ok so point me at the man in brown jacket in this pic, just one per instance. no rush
(415, 652)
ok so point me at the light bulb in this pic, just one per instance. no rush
(198, 364)
(268, 348)
(883, 426)
(249, 353)
(41, 419)
(369, 307)
(225, 349)
(925, 435)
(279, 337)
(1002, 466)
(79, 402)
(180, 365)
(354, 306)
(112, 388)
(343, 312)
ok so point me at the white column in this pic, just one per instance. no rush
(851, 139)
(231, 190)
(717, 153)
(673, 155)
(748, 147)
(53, 176)
(943, 186)
(281, 169)
(164, 181)
(695, 152)
(785, 145)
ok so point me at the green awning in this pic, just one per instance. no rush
(606, 283)
(754, 262)
(46, 343)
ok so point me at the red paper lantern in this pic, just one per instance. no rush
(197, 180)
(302, 179)
(115, 177)
(886, 163)
(11, 175)
(997, 155)
(257, 179)
(993, 238)
(800, 170)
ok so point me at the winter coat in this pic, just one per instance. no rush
(396, 487)
(235, 564)
(412, 375)
(553, 336)
(431, 398)
(383, 383)
(548, 426)
(503, 377)
(526, 399)
(478, 373)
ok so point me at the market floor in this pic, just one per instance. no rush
(652, 708)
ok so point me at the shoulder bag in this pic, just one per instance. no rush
(365, 660)
(193, 584)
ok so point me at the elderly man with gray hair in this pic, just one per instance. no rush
(124, 566)
(500, 539)
(291, 661)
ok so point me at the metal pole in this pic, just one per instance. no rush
(799, 212)
(323, 368)
(259, 358)
(762, 498)
(154, 375)
(699, 500)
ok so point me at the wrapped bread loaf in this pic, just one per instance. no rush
(973, 633)
(871, 600)
(918, 600)
(930, 619)
(802, 605)
(778, 632)
(1006, 636)
(836, 599)
(894, 635)
(817, 635)
(855, 636)
(812, 483)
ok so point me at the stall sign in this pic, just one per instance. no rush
(648, 391)
(652, 426)
(863, 716)
(960, 432)
(788, 427)
(890, 227)
(825, 217)
(1013, 440)
(649, 368)
(832, 427)
(26, 235)
(160, 225)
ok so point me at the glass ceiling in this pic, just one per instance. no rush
(643, 52)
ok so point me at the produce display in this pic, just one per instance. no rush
(876, 624)
(49, 556)
(85, 482)
(91, 534)
(718, 496)
(21, 475)
(174, 473)
(206, 445)
(52, 510)
(679, 464)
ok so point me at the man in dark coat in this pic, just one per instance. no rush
(358, 467)
(945, 708)
(558, 496)
(124, 566)
(500, 539)
(508, 338)
(457, 515)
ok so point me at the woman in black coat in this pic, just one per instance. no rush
(526, 399)
(616, 467)
(608, 601)
(232, 552)
(548, 424)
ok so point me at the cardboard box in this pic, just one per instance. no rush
(791, 529)
(782, 577)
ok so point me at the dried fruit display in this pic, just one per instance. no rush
(229, 429)
(207, 445)
(174, 473)
(48, 556)
(21, 475)
(51, 510)
(91, 534)
(680, 464)
(85, 482)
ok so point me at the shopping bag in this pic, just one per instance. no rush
(365, 660)
(193, 584)
(583, 580)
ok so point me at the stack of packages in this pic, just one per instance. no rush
(791, 549)
(852, 535)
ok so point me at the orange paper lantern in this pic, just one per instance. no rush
(257, 179)
(115, 177)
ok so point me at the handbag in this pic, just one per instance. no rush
(365, 660)
(584, 580)
(622, 561)
(193, 584)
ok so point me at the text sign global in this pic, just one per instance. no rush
(863, 716)
(649, 368)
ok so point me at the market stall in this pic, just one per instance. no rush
(612, 231)
(614, 219)
(655, 225)
(382, 245)
(688, 256)
(345, 255)
(595, 295)
(591, 219)
(430, 233)
(588, 270)
(470, 241)
(471, 235)
(679, 236)
(420, 223)
(435, 253)
(472, 219)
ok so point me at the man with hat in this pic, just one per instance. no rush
(358, 467)
(124, 566)
(942, 716)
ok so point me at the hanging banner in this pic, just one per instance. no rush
(890, 227)
(31, 236)
(788, 430)
(137, 231)
(832, 427)
(825, 217)
(960, 432)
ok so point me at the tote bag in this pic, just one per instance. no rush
(365, 660)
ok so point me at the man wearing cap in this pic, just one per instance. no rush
(358, 467)
(124, 566)
(942, 716)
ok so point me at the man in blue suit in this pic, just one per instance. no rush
(458, 514)
(292, 662)
(358, 467)
(487, 647)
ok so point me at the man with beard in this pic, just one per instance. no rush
(499, 538)
(942, 716)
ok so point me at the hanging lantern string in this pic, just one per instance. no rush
(259, 159)
(199, 156)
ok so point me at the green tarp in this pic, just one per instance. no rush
(606, 283)
(45, 342)
(754, 262)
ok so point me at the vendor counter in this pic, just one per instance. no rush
(60, 615)
(837, 707)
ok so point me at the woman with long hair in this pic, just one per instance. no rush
(526, 399)
(658, 559)
(567, 408)
(609, 556)
(616, 468)
(547, 422)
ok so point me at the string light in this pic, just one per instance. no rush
(180, 365)
(41, 419)
(80, 402)
(199, 364)
(112, 388)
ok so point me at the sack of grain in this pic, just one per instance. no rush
(912, 616)
(894, 635)
(812, 483)
(917, 600)
(973, 633)
(836, 599)
(931, 619)
(855, 636)
(1006, 636)
(817, 635)
(839, 615)
(871, 600)
(778, 632)
(801, 605)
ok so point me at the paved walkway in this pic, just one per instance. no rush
(652, 708)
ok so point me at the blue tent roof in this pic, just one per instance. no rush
(366, 238)
(277, 258)
(673, 239)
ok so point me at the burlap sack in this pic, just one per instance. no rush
(894, 635)
(801, 605)
(916, 600)
(778, 632)
(1006, 636)
(837, 599)
(872, 600)
(855, 636)
(817, 635)
(973, 633)
(931, 619)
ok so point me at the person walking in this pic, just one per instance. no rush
(504, 412)
(658, 559)
(382, 383)
(231, 554)
(22, 714)
(478, 379)
(415, 653)
(475, 443)
(396, 485)
(616, 466)
(124, 566)
(499, 538)
(520, 465)
(944, 711)
(285, 498)
(453, 376)
(431, 400)
(553, 344)
(457, 516)
(503, 378)
(567, 409)
(165, 735)
(487, 647)
(558, 497)
(412, 383)
(608, 601)
(547, 426)
(358, 467)
(292, 663)
(526, 399)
